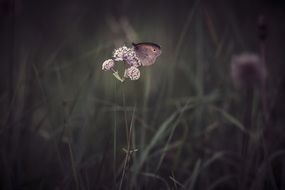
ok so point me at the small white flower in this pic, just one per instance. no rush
(133, 73)
(108, 64)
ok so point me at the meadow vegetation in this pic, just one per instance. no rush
(66, 124)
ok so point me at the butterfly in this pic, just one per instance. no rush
(147, 52)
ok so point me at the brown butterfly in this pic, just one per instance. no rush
(147, 52)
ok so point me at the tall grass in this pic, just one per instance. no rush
(66, 124)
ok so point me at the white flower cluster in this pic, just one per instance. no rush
(128, 55)
(119, 53)
(108, 64)
(133, 73)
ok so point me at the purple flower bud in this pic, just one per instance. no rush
(247, 70)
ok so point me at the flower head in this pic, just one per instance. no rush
(128, 55)
(108, 64)
(120, 53)
(247, 70)
(133, 73)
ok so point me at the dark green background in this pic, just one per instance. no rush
(64, 120)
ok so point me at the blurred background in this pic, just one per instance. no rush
(185, 124)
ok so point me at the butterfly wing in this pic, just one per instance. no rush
(145, 54)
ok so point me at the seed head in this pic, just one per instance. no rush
(247, 70)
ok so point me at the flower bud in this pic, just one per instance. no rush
(247, 70)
